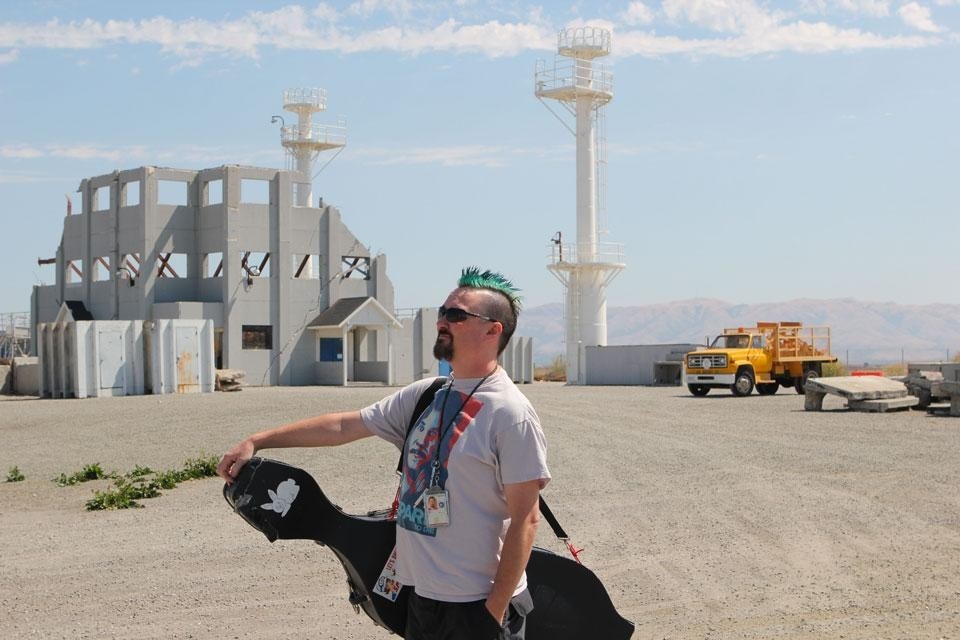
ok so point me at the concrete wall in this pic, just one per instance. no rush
(25, 374)
(629, 364)
(6, 380)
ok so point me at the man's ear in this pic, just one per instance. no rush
(496, 329)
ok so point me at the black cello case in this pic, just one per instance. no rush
(285, 502)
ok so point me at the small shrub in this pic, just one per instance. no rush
(196, 468)
(834, 369)
(169, 479)
(89, 472)
(556, 371)
(139, 472)
(124, 495)
(896, 369)
(14, 475)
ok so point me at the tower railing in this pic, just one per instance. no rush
(314, 97)
(584, 41)
(322, 134)
(567, 75)
(605, 253)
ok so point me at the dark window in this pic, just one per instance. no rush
(331, 350)
(257, 336)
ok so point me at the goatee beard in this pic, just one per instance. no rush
(443, 350)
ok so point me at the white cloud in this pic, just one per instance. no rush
(366, 8)
(182, 156)
(724, 16)
(637, 13)
(490, 156)
(872, 8)
(22, 178)
(918, 16)
(745, 28)
(19, 151)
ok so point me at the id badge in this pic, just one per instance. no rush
(436, 502)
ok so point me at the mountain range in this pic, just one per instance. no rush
(862, 332)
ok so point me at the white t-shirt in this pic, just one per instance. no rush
(492, 440)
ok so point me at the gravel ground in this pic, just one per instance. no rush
(714, 517)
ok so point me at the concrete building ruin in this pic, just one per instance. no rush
(228, 244)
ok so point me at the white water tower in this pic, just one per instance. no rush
(586, 267)
(305, 140)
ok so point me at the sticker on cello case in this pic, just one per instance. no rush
(387, 584)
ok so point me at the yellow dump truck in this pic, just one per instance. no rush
(767, 356)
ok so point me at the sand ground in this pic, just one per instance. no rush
(714, 517)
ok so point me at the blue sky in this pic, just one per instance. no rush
(757, 151)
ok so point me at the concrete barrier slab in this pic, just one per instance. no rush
(858, 387)
(880, 406)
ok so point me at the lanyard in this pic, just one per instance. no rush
(442, 431)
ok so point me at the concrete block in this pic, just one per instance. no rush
(26, 376)
(888, 404)
(812, 400)
(858, 387)
(5, 379)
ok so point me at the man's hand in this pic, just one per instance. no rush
(233, 460)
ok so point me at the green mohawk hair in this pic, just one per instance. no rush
(474, 278)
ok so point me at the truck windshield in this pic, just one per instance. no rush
(738, 341)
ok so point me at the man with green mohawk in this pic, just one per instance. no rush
(473, 465)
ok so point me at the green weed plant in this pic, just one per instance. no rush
(89, 472)
(14, 474)
(136, 485)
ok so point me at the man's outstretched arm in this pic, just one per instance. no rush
(320, 431)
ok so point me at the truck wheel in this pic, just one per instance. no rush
(743, 383)
(698, 390)
(801, 382)
(768, 389)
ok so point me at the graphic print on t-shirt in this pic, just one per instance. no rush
(420, 449)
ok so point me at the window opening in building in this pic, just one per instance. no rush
(255, 264)
(306, 267)
(101, 199)
(101, 269)
(172, 265)
(131, 263)
(300, 192)
(218, 347)
(257, 336)
(331, 349)
(73, 272)
(172, 192)
(253, 191)
(213, 265)
(130, 193)
(213, 192)
(357, 267)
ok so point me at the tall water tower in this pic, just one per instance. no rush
(586, 267)
(305, 140)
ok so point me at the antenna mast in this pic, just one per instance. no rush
(587, 267)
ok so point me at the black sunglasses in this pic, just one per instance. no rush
(456, 314)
